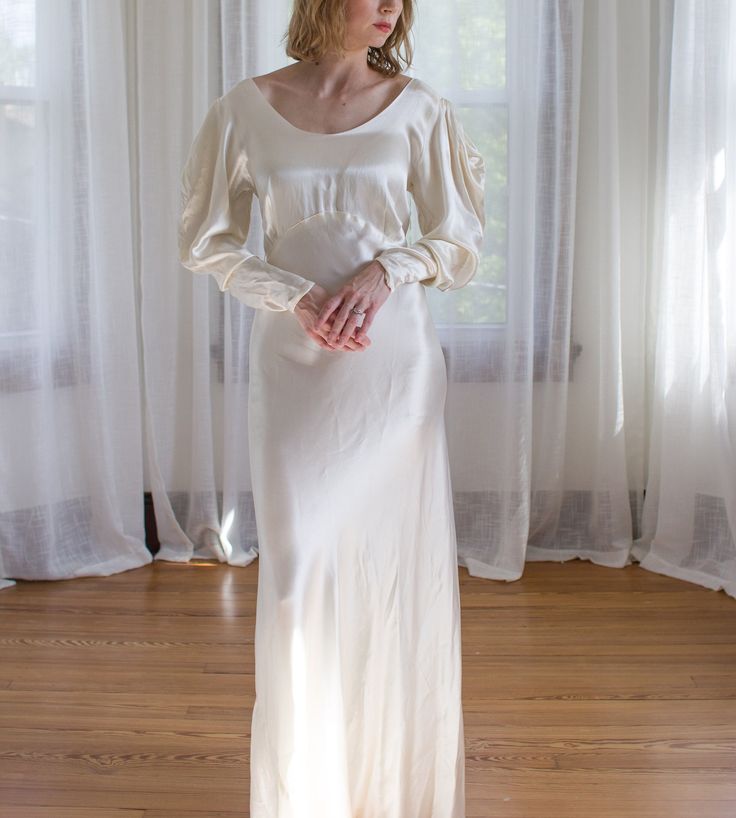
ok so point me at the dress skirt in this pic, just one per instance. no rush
(358, 708)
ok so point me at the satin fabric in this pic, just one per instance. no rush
(358, 710)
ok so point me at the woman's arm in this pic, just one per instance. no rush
(447, 184)
(216, 197)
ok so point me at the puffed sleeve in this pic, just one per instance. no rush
(216, 197)
(447, 185)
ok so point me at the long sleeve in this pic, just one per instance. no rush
(447, 184)
(216, 198)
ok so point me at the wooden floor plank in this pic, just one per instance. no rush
(39, 811)
(587, 691)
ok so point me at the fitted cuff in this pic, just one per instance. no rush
(299, 294)
(404, 265)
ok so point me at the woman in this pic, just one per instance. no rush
(358, 660)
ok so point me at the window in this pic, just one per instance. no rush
(19, 119)
(45, 324)
(474, 78)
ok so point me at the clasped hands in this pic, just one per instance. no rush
(328, 320)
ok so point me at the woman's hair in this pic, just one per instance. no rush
(318, 26)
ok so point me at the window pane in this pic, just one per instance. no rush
(17, 42)
(463, 46)
(16, 227)
(481, 43)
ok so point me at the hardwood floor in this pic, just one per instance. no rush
(589, 692)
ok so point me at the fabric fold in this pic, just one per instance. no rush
(447, 184)
(216, 200)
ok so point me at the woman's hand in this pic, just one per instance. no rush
(307, 311)
(366, 290)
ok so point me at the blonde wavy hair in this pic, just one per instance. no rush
(318, 26)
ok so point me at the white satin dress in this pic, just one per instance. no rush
(358, 710)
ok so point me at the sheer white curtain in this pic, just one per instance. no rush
(71, 493)
(690, 507)
(195, 340)
(608, 136)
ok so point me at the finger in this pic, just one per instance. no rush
(336, 332)
(327, 309)
(356, 345)
(346, 333)
(324, 330)
(351, 345)
(315, 336)
(364, 340)
(368, 317)
(325, 336)
(349, 328)
(351, 320)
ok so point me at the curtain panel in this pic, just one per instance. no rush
(591, 361)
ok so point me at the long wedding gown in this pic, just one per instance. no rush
(358, 709)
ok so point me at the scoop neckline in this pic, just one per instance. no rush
(293, 127)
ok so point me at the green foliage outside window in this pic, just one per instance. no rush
(475, 65)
